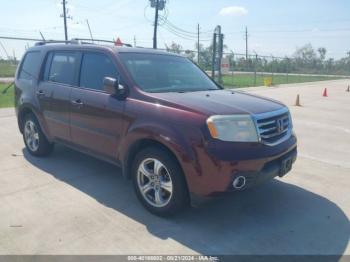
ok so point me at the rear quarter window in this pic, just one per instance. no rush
(30, 66)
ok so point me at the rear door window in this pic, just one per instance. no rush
(30, 66)
(94, 67)
(63, 67)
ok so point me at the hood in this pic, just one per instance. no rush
(219, 102)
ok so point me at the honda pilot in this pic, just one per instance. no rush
(178, 135)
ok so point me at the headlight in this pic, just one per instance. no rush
(233, 128)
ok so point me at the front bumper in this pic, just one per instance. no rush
(270, 170)
(216, 169)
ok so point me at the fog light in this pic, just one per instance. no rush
(239, 182)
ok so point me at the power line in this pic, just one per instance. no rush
(182, 31)
(177, 34)
(302, 30)
(191, 38)
(20, 38)
(181, 34)
(293, 31)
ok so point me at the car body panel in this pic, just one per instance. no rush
(54, 104)
(96, 123)
(219, 102)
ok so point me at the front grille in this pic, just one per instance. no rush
(273, 129)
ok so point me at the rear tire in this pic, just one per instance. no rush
(34, 139)
(159, 182)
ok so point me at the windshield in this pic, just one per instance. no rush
(166, 73)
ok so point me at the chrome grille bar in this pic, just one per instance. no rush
(273, 127)
(274, 134)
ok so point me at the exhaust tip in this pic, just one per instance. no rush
(239, 182)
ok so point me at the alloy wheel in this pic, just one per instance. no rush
(31, 135)
(154, 182)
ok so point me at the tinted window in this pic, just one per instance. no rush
(94, 68)
(62, 68)
(30, 66)
(166, 73)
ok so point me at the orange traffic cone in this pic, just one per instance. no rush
(325, 92)
(297, 101)
(348, 90)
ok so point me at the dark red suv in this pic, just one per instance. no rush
(176, 133)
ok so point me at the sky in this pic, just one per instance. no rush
(274, 27)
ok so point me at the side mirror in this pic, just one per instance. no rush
(112, 87)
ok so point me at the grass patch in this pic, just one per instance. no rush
(246, 80)
(7, 99)
(7, 69)
(238, 80)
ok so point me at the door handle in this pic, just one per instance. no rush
(40, 93)
(77, 102)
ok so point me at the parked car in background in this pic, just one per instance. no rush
(176, 133)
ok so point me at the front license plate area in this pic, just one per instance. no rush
(286, 166)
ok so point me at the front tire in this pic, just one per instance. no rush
(159, 182)
(34, 139)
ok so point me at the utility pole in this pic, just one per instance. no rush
(246, 44)
(218, 41)
(65, 16)
(220, 50)
(65, 19)
(155, 26)
(213, 61)
(87, 22)
(158, 5)
(198, 44)
(134, 41)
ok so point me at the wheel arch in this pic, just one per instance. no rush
(139, 145)
(21, 116)
(28, 109)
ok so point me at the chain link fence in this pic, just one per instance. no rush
(258, 70)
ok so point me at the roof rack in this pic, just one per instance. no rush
(77, 41)
(57, 42)
(100, 40)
